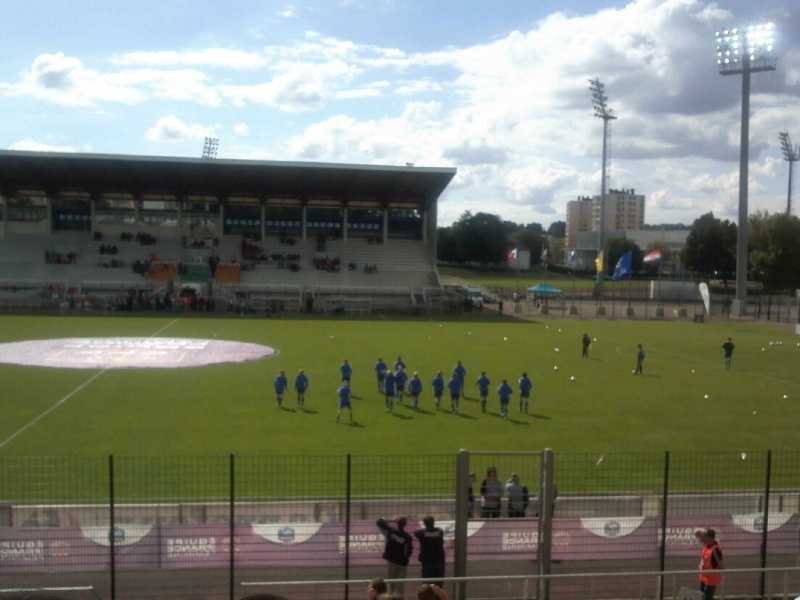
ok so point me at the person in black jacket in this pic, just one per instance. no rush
(431, 550)
(396, 552)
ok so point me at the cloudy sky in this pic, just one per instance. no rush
(498, 90)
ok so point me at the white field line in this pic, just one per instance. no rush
(38, 418)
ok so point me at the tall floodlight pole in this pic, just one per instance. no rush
(742, 52)
(601, 111)
(792, 155)
(210, 147)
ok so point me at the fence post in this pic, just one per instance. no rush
(663, 543)
(462, 514)
(765, 531)
(232, 525)
(111, 517)
(347, 529)
(547, 497)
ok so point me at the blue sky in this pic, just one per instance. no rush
(498, 90)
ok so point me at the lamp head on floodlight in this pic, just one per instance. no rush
(747, 48)
(790, 153)
(599, 100)
(210, 147)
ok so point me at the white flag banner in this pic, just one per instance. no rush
(706, 296)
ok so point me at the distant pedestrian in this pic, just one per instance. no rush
(727, 349)
(300, 386)
(586, 342)
(344, 400)
(639, 360)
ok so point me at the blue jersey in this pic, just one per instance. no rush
(380, 370)
(399, 363)
(281, 383)
(460, 372)
(400, 379)
(483, 385)
(525, 386)
(455, 387)
(301, 382)
(388, 386)
(505, 392)
(415, 386)
(347, 371)
(438, 385)
(344, 396)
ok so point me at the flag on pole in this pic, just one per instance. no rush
(598, 262)
(544, 256)
(514, 254)
(654, 256)
(571, 259)
(623, 267)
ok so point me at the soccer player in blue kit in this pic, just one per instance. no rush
(281, 383)
(483, 389)
(400, 378)
(344, 400)
(380, 373)
(505, 391)
(301, 385)
(347, 370)
(388, 390)
(455, 386)
(414, 389)
(525, 386)
(438, 389)
(460, 372)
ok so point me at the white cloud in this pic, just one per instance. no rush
(34, 146)
(173, 129)
(241, 129)
(209, 57)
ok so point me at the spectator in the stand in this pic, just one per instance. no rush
(518, 497)
(376, 588)
(396, 552)
(492, 493)
(431, 550)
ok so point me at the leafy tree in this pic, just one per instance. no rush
(711, 247)
(616, 247)
(773, 249)
(530, 236)
(447, 247)
(557, 229)
(482, 237)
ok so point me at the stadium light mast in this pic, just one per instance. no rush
(601, 111)
(792, 155)
(742, 52)
(210, 147)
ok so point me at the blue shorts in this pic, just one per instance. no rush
(454, 395)
(524, 394)
(505, 400)
(344, 403)
(400, 387)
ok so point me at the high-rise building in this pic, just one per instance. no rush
(624, 209)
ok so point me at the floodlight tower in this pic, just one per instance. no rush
(742, 52)
(601, 111)
(792, 155)
(210, 147)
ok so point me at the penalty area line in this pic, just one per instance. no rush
(35, 420)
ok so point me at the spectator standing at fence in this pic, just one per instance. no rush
(460, 372)
(518, 497)
(491, 493)
(400, 378)
(380, 373)
(483, 389)
(376, 588)
(504, 390)
(727, 349)
(586, 342)
(281, 383)
(710, 562)
(454, 385)
(414, 389)
(344, 400)
(525, 386)
(431, 550)
(438, 389)
(639, 360)
(300, 386)
(347, 371)
(388, 390)
(396, 552)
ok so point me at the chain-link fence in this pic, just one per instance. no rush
(516, 524)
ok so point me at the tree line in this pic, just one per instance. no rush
(710, 251)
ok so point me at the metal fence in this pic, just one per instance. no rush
(220, 527)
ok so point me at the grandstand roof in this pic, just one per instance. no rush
(98, 174)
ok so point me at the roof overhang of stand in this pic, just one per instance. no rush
(97, 175)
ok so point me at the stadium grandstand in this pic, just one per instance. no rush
(110, 232)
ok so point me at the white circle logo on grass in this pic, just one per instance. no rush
(129, 353)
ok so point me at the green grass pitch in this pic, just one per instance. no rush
(231, 408)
